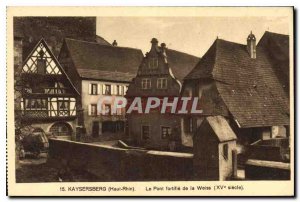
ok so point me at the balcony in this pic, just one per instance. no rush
(45, 92)
(44, 115)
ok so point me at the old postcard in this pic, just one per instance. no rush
(150, 101)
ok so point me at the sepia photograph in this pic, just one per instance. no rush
(162, 98)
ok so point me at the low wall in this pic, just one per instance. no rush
(266, 170)
(270, 150)
(264, 152)
(118, 164)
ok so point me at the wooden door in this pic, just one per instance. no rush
(95, 129)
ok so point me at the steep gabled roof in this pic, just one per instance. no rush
(277, 47)
(220, 127)
(103, 58)
(204, 67)
(30, 64)
(249, 87)
(280, 43)
(102, 41)
(181, 63)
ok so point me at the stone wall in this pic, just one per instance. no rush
(155, 121)
(117, 164)
(267, 170)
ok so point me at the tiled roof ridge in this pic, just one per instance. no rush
(106, 46)
(182, 52)
(275, 33)
(204, 57)
(104, 71)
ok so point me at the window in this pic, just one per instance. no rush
(118, 90)
(58, 88)
(63, 105)
(107, 89)
(225, 151)
(94, 89)
(93, 110)
(162, 83)
(166, 132)
(35, 104)
(107, 109)
(145, 132)
(189, 125)
(41, 66)
(146, 83)
(153, 63)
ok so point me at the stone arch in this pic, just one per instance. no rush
(61, 129)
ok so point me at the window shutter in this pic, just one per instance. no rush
(99, 108)
(103, 89)
(121, 89)
(90, 88)
(124, 90)
(99, 89)
(89, 110)
(113, 89)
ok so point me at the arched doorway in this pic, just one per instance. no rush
(61, 129)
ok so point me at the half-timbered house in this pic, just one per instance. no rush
(48, 97)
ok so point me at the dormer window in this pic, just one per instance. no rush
(146, 83)
(162, 83)
(153, 63)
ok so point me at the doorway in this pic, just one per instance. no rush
(95, 129)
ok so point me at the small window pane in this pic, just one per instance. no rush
(93, 110)
(146, 83)
(94, 89)
(166, 132)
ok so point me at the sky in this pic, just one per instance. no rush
(192, 35)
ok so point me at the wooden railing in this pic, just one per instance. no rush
(55, 90)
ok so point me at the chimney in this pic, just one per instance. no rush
(163, 47)
(115, 43)
(251, 45)
(154, 43)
